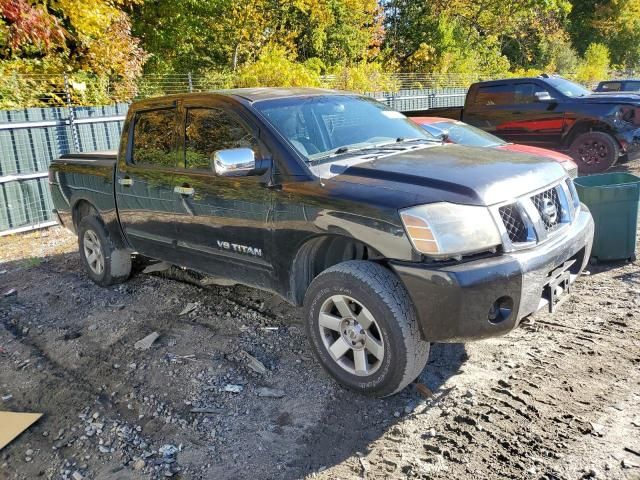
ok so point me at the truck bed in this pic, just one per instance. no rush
(89, 176)
(111, 155)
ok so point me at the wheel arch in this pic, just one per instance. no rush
(320, 253)
(83, 206)
(585, 126)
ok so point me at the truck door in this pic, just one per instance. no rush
(520, 112)
(147, 203)
(224, 223)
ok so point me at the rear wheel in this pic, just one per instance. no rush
(105, 264)
(594, 152)
(363, 328)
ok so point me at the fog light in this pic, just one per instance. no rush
(501, 310)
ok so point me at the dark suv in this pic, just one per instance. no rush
(619, 86)
(551, 112)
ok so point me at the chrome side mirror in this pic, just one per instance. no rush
(234, 162)
(543, 97)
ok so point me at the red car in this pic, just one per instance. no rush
(455, 131)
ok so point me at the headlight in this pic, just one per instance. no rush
(446, 230)
(571, 168)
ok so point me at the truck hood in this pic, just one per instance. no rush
(611, 97)
(454, 173)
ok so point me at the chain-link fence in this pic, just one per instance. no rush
(19, 91)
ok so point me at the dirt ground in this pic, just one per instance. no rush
(558, 398)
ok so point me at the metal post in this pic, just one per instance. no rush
(190, 82)
(72, 115)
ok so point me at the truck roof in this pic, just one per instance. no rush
(252, 94)
(504, 80)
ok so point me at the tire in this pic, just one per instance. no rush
(594, 152)
(390, 348)
(105, 264)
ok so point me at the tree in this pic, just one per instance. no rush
(88, 36)
(199, 35)
(473, 33)
(614, 23)
(595, 65)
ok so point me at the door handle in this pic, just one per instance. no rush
(184, 190)
(125, 181)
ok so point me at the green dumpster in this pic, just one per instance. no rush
(613, 199)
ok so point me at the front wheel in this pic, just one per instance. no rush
(594, 152)
(363, 328)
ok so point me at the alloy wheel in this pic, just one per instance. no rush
(351, 335)
(93, 252)
(592, 152)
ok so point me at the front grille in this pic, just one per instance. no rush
(514, 223)
(548, 205)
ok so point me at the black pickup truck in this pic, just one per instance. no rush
(387, 237)
(551, 112)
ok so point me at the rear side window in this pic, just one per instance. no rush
(209, 130)
(632, 86)
(154, 138)
(495, 95)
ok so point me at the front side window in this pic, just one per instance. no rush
(632, 86)
(208, 130)
(154, 138)
(611, 87)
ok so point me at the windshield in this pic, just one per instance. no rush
(463, 134)
(325, 126)
(567, 88)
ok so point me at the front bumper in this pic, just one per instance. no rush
(453, 302)
(630, 143)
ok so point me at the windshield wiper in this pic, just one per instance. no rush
(416, 139)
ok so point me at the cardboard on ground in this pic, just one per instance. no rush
(13, 424)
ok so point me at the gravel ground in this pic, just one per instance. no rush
(230, 389)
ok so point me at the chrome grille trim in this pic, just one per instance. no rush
(539, 229)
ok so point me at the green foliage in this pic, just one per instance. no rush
(103, 45)
(595, 65)
(363, 77)
(613, 23)
(276, 68)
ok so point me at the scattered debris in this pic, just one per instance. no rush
(596, 429)
(157, 267)
(146, 342)
(168, 450)
(254, 364)
(207, 410)
(631, 450)
(190, 307)
(10, 293)
(267, 392)
(221, 282)
(424, 391)
(231, 388)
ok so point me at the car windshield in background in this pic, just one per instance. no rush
(325, 126)
(567, 88)
(463, 134)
